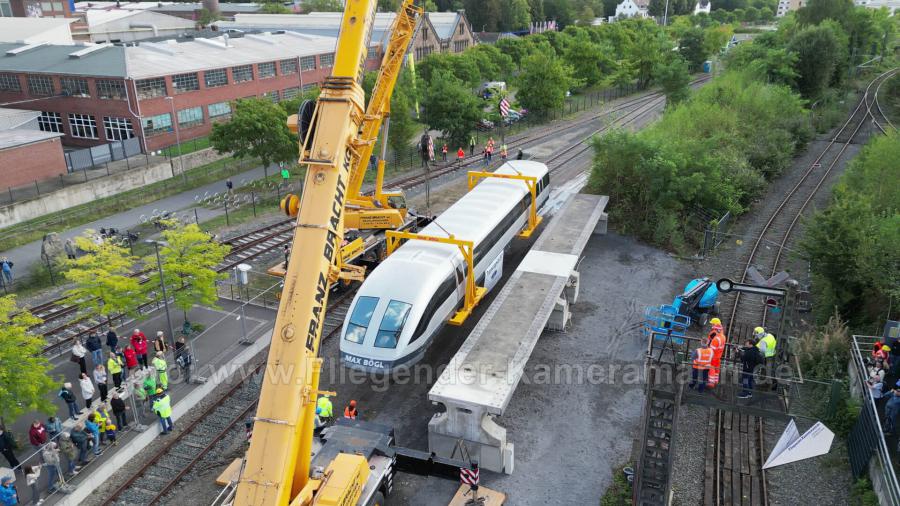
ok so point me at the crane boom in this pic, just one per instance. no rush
(401, 34)
(277, 467)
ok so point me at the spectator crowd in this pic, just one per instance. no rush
(61, 448)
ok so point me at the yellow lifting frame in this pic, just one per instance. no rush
(474, 294)
(530, 181)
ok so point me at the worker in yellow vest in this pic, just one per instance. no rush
(767, 343)
(701, 361)
(162, 406)
(114, 366)
(159, 363)
(325, 409)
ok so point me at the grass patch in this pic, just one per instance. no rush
(619, 493)
(187, 147)
(35, 229)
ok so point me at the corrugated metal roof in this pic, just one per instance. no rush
(157, 59)
(55, 59)
(223, 7)
(13, 118)
(16, 138)
(443, 22)
(31, 29)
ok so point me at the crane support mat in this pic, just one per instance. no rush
(480, 380)
(490, 497)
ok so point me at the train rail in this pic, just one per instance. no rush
(177, 457)
(735, 453)
(876, 105)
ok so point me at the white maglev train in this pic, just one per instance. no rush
(406, 300)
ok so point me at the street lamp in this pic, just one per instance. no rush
(162, 284)
(177, 134)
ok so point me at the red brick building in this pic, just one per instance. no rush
(94, 94)
(28, 156)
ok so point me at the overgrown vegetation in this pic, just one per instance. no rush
(619, 493)
(862, 493)
(853, 245)
(24, 373)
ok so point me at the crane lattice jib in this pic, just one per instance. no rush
(276, 471)
(401, 34)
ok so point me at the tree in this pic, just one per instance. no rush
(258, 129)
(648, 46)
(692, 47)
(24, 372)
(273, 8)
(292, 105)
(817, 11)
(403, 126)
(560, 10)
(104, 284)
(450, 107)
(189, 261)
(589, 60)
(205, 17)
(674, 79)
(516, 15)
(536, 9)
(543, 84)
(323, 6)
(484, 15)
(817, 53)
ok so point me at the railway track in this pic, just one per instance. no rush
(881, 121)
(735, 443)
(60, 318)
(179, 456)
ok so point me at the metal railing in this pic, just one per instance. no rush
(867, 437)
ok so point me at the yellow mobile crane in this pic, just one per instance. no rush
(381, 210)
(355, 465)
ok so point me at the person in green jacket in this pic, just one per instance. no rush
(326, 409)
(162, 406)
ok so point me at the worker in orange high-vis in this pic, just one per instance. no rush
(716, 324)
(350, 411)
(701, 361)
(717, 344)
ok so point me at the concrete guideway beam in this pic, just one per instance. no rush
(480, 380)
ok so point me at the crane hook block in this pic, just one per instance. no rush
(290, 204)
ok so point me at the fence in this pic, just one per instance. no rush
(714, 234)
(87, 158)
(867, 438)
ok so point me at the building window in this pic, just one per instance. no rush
(266, 70)
(271, 95)
(190, 117)
(462, 28)
(155, 125)
(308, 63)
(215, 78)
(10, 82)
(50, 122)
(118, 129)
(326, 60)
(219, 110)
(424, 33)
(150, 88)
(309, 87)
(5, 9)
(83, 126)
(242, 73)
(184, 83)
(373, 53)
(110, 90)
(40, 86)
(460, 46)
(75, 87)
(290, 93)
(288, 67)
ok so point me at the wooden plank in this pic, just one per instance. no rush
(728, 446)
(726, 488)
(745, 490)
(491, 497)
(744, 424)
(230, 474)
(735, 488)
(737, 441)
(709, 470)
(745, 453)
(755, 491)
(727, 415)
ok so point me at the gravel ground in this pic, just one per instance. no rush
(825, 480)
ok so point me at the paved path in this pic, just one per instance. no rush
(215, 347)
(24, 256)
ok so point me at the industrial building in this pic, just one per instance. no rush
(436, 32)
(27, 152)
(31, 30)
(158, 92)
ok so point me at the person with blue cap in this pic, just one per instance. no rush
(8, 494)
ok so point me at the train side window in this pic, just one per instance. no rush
(359, 319)
(445, 290)
(392, 324)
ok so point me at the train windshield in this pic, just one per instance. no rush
(359, 320)
(392, 324)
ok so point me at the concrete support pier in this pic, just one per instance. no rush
(480, 380)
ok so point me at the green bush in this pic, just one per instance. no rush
(862, 493)
(619, 493)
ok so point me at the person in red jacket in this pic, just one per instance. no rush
(139, 343)
(37, 434)
(131, 361)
